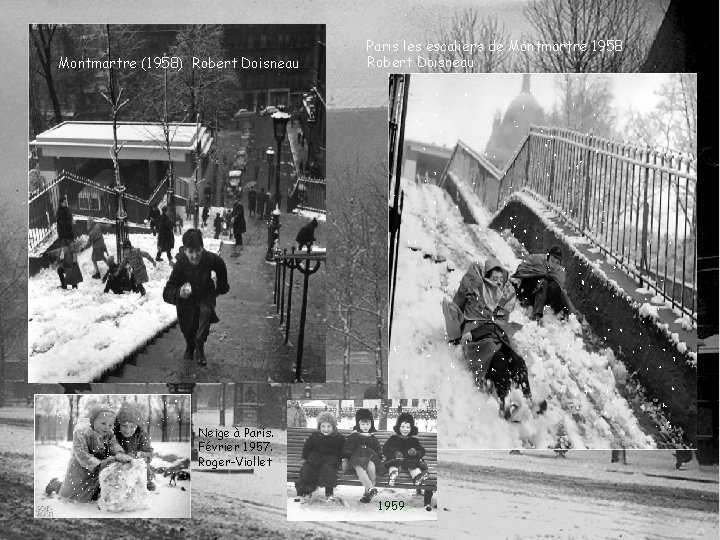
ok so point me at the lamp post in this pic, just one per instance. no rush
(270, 154)
(280, 120)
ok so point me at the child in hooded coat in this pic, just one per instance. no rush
(404, 451)
(362, 453)
(321, 458)
(94, 448)
(68, 268)
(131, 435)
(99, 249)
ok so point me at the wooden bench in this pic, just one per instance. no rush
(296, 439)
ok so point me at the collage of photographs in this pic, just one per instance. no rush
(328, 270)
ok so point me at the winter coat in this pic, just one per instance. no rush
(205, 213)
(166, 234)
(535, 267)
(82, 478)
(68, 262)
(252, 200)
(117, 284)
(306, 234)
(203, 288)
(260, 206)
(218, 223)
(319, 449)
(361, 449)
(397, 453)
(64, 220)
(136, 264)
(239, 216)
(97, 241)
(483, 303)
(138, 444)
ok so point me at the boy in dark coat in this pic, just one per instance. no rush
(192, 290)
(542, 283)
(404, 451)
(252, 200)
(321, 458)
(166, 236)
(306, 235)
(131, 435)
(362, 453)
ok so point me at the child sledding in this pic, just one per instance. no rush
(482, 307)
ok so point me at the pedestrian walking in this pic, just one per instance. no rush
(205, 214)
(166, 236)
(228, 223)
(238, 222)
(306, 235)
(218, 224)
(260, 209)
(252, 200)
(192, 290)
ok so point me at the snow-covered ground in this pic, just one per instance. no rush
(76, 335)
(581, 387)
(385, 506)
(166, 501)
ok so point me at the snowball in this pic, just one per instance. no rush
(123, 487)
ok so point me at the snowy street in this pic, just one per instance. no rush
(583, 386)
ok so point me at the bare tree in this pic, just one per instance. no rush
(41, 36)
(585, 105)
(581, 22)
(470, 27)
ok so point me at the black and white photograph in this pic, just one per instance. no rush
(362, 460)
(112, 456)
(545, 261)
(176, 203)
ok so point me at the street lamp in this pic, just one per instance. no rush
(270, 154)
(280, 120)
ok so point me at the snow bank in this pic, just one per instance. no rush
(584, 403)
(75, 335)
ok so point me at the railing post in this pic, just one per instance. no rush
(277, 282)
(646, 207)
(552, 167)
(586, 198)
(282, 291)
(307, 271)
(289, 306)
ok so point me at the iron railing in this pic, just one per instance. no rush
(311, 194)
(638, 205)
(86, 198)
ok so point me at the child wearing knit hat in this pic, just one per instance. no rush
(362, 452)
(320, 459)
(130, 434)
(94, 447)
(404, 451)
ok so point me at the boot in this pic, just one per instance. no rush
(200, 354)
(189, 350)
